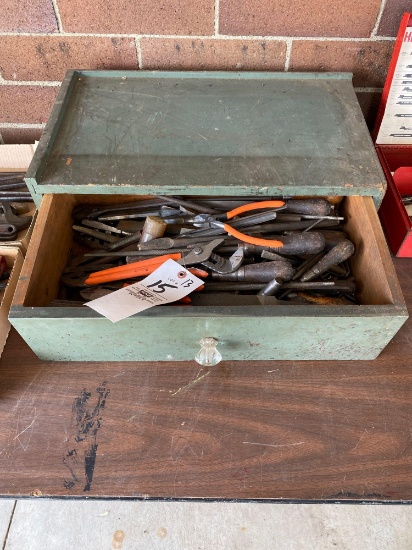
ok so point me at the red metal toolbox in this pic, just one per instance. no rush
(396, 160)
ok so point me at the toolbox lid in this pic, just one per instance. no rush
(206, 133)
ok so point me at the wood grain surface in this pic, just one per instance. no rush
(241, 430)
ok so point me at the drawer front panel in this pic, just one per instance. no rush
(240, 338)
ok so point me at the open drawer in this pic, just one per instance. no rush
(288, 332)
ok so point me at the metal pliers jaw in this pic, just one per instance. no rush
(200, 253)
(203, 254)
(220, 222)
(225, 265)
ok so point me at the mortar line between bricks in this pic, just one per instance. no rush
(206, 37)
(139, 51)
(9, 526)
(288, 54)
(21, 126)
(58, 18)
(378, 18)
(43, 83)
(217, 14)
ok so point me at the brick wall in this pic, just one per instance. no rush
(40, 39)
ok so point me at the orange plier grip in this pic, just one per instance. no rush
(251, 240)
(135, 269)
(248, 238)
(254, 206)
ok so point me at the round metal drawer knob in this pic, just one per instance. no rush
(208, 356)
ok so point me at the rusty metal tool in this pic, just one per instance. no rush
(271, 288)
(5, 186)
(319, 206)
(163, 211)
(276, 227)
(343, 287)
(219, 222)
(165, 245)
(209, 226)
(258, 273)
(10, 224)
(5, 176)
(75, 277)
(221, 265)
(305, 266)
(134, 255)
(309, 243)
(13, 185)
(279, 227)
(13, 197)
(309, 207)
(337, 255)
(169, 242)
(337, 286)
(104, 255)
(105, 227)
(188, 204)
(92, 212)
(21, 194)
(203, 221)
(268, 255)
(332, 237)
(133, 216)
(96, 234)
(130, 226)
(92, 293)
(320, 218)
(300, 243)
(199, 255)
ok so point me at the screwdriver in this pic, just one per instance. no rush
(337, 255)
(258, 273)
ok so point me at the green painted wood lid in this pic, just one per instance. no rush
(206, 133)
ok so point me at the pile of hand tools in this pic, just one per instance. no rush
(248, 250)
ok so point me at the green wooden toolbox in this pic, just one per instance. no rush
(113, 135)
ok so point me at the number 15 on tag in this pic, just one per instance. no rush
(168, 283)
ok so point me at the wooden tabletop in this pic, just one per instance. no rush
(297, 430)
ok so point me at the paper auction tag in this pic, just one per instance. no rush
(168, 283)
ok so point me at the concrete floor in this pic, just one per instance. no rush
(126, 525)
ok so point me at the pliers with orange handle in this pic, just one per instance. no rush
(201, 254)
(208, 220)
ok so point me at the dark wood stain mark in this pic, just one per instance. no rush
(88, 422)
(89, 462)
